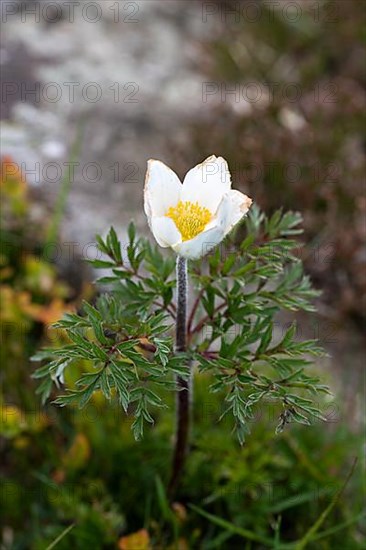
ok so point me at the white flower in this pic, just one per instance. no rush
(195, 216)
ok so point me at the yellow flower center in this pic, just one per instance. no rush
(190, 218)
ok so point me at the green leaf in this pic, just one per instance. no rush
(208, 300)
(96, 320)
(60, 537)
(102, 245)
(86, 393)
(228, 264)
(114, 246)
(44, 390)
(230, 527)
(101, 264)
(121, 384)
(131, 232)
(245, 269)
(71, 320)
(265, 339)
(67, 399)
(105, 385)
(165, 509)
(138, 427)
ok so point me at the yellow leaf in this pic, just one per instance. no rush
(180, 511)
(135, 541)
(12, 421)
(50, 313)
(79, 452)
(13, 186)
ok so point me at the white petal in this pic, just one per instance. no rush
(201, 244)
(165, 231)
(162, 188)
(223, 214)
(240, 205)
(206, 183)
(213, 234)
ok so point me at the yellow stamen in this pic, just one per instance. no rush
(190, 218)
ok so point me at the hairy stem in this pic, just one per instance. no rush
(183, 405)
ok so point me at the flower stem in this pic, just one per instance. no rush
(183, 405)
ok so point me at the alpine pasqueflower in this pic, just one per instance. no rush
(195, 216)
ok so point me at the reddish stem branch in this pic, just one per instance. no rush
(203, 321)
(194, 309)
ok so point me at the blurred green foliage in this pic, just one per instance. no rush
(84, 468)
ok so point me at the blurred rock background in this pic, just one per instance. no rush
(266, 85)
(134, 81)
